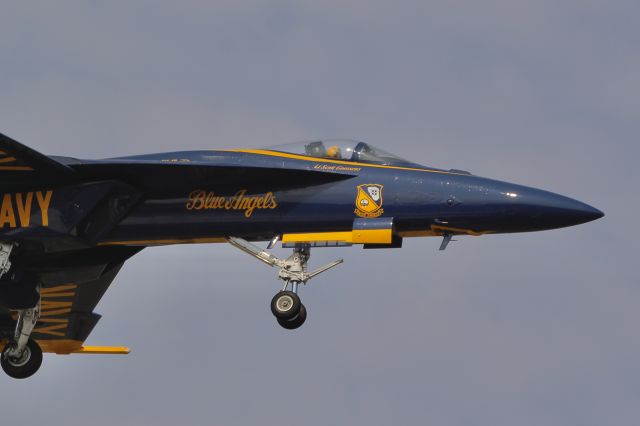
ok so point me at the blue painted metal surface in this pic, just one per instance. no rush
(320, 195)
(259, 194)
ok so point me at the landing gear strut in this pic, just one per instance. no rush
(22, 356)
(286, 305)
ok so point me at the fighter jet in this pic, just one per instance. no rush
(67, 225)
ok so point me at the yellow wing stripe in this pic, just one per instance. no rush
(68, 346)
(17, 168)
(103, 350)
(8, 159)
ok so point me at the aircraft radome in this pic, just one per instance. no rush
(67, 226)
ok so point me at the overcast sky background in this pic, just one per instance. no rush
(528, 329)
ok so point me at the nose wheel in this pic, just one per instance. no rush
(286, 305)
(295, 322)
(288, 310)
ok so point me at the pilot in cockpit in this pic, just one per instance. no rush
(334, 152)
(317, 149)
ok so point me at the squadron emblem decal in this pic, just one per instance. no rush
(369, 200)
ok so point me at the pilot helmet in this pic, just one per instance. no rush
(334, 152)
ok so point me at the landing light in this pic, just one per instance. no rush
(511, 194)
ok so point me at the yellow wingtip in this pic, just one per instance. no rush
(103, 350)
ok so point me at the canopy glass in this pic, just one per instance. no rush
(341, 149)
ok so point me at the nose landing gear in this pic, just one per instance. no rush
(286, 305)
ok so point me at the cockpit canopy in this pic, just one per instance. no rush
(342, 149)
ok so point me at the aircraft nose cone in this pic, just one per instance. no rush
(549, 210)
(576, 212)
(587, 213)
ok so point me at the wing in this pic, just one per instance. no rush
(72, 285)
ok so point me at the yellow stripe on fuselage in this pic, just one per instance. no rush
(365, 236)
(368, 236)
(330, 161)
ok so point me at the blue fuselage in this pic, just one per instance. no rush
(246, 203)
(206, 196)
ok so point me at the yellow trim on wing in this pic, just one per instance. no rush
(103, 350)
(365, 236)
(69, 346)
(326, 160)
(17, 168)
(59, 346)
(7, 160)
(164, 242)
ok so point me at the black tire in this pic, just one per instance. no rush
(296, 322)
(285, 305)
(26, 367)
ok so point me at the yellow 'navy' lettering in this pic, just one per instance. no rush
(44, 201)
(24, 208)
(7, 216)
(16, 209)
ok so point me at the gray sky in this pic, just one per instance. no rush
(529, 329)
